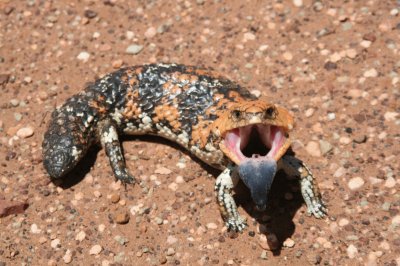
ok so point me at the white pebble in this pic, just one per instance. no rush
(298, 3)
(352, 251)
(365, 43)
(35, 229)
(356, 183)
(25, 132)
(370, 73)
(211, 226)
(171, 240)
(150, 32)
(390, 116)
(83, 56)
(134, 49)
(309, 112)
(67, 257)
(331, 116)
(80, 236)
(163, 171)
(289, 243)
(55, 243)
(396, 220)
(95, 250)
(313, 149)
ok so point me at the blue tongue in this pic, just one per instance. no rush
(258, 175)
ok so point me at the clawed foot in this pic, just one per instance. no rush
(236, 224)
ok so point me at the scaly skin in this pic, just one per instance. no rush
(194, 107)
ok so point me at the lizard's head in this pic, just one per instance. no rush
(255, 135)
(254, 129)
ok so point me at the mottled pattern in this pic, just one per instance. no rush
(191, 106)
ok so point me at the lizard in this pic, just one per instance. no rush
(212, 117)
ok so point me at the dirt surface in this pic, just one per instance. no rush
(334, 64)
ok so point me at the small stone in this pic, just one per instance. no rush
(370, 73)
(179, 179)
(351, 251)
(313, 149)
(335, 57)
(289, 243)
(211, 226)
(309, 112)
(83, 56)
(173, 186)
(170, 252)
(115, 198)
(171, 240)
(354, 93)
(343, 222)
(264, 255)
(345, 140)
(55, 243)
(325, 147)
(121, 240)
(67, 258)
(35, 229)
(122, 218)
(390, 116)
(80, 236)
(158, 220)
(390, 182)
(90, 14)
(256, 93)
(298, 3)
(365, 44)
(150, 32)
(134, 49)
(248, 36)
(361, 138)
(95, 250)
(356, 183)
(287, 56)
(117, 63)
(25, 132)
(78, 196)
(27, 79)
(163, 171)
(351, 53)
(331, 116)
(396, 221)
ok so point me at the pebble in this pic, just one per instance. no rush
(134, 49)
(25, 132)
(11, 207)
(343, 222)
(351, 251)
(345, 140)
(67, 258)
(83, 56)
(248, 36)
(335, 57)
(331, 116)
(95, 250)
(396, 221)
(163, 171)
(80, 236)
(173, 186)
(361, 138)
(150, 32)
(121, 240)
(90, 14)
(354, 93)
(264, 255)
(390, 182)
(55, 243)
(17, 117)
(115, 198)
(355, 183)
(365, 43)
(211, 226)
(313, 149)
(289, 243)
(171, 240)
(298, 3)
(35, 229)
(309, 112)
(170, 252)
(117, 63)
(287, 56)
(351, 53)
(390, 116)
(122, 218)
(325, 147)
(370, 73)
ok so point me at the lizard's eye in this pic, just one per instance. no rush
(270, 113)
(236, 114)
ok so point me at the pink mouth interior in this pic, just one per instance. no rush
(265, 141)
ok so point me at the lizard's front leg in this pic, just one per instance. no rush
(309, 189)
(224, 185)
(110, 142)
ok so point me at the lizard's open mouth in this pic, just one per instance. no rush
(256, 141)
